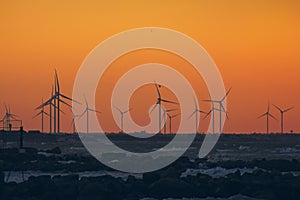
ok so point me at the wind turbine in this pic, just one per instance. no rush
(282, 115)
(59, 96)
(267, 114)
(7, 118)
(73, 122)
(86, 111)
(159, 100)
(165, 117)
(170, 119)
(195, 112)
(212, 111)
(221, 107)
(50, 104)
(42, 112)
(122, 113)
(55, 101)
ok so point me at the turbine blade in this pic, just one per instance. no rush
(288, 109)
(13, 115)
(52, 104)
(272, 116)
(86, 103)
(79, 116)
(127, 110)
(36, 115)
(277, 107)
(195, 104)
(94, 110)
(227, 115)
(13, 118)
(192, 114)
(207, 114)
(45, 104)
(173, 116)
(171, 110)
(57, 81)
(201, 111)
(118, 109)
(65, 103)
(262, 115)
(64, 96)
(153, 108)
(157, 89)
(46, 114)
(172, 102)
(222, 107)
(227, 93)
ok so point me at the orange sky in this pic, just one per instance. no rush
(255, 44)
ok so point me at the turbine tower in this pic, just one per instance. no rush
(7, 118)
(55, 100)
(267, 114)
(165, 117)
(170, 119)
(86, 111)
(42, 113)
(195, 112)
(221, 107)
(282, 112)
(122, 113)
(58, 99)
(212, 111)
(159, 100)
(73, 122)
(50, 104)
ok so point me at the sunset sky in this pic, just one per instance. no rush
(255, 45)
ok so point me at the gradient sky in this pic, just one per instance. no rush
(255, 44)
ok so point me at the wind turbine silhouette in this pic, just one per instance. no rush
(267, 114)
(73, 122)
(56, 98)
(7, 118)
(170, 119)
(282, 112)
(86, 111)
(42, 113)
(50, 104)
(221, 107)
(165, 117)
(122, 117)
(212, 111)
(159, 100)
(195, 112)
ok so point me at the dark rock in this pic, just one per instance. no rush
(151, 177)
(55, 150)
(170, 187)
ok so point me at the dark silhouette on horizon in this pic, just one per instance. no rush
(159, 100)
(86, 111)
(196, 111)
(55, 100)
(267, 114)
(282, 112)
(221, 109)
(122, 117)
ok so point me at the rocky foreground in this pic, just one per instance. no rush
(50, 170)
